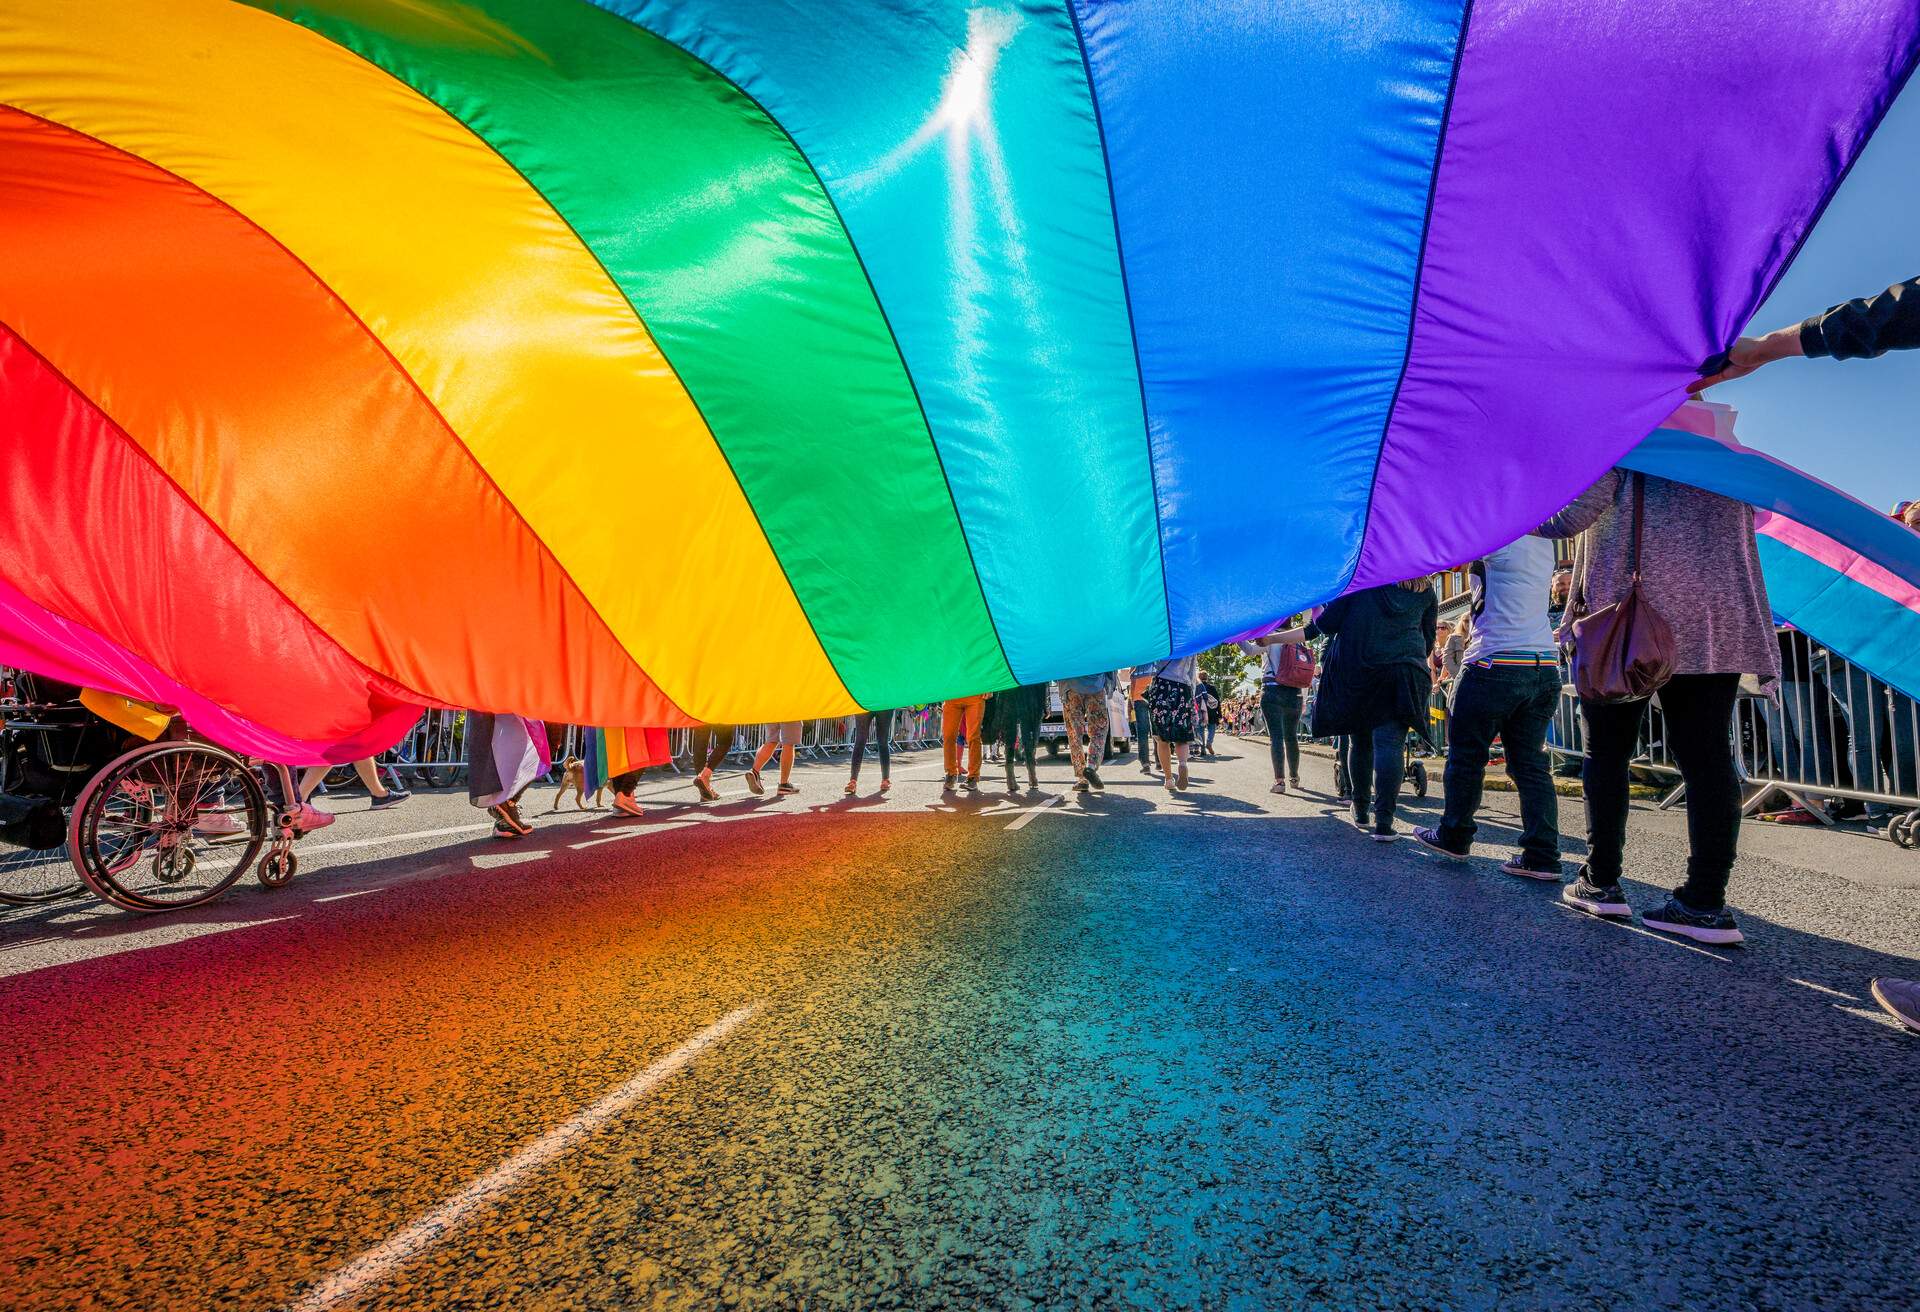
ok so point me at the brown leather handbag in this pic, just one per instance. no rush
(1623, 652)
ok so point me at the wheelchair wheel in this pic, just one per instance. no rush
(30, 877)
(167, 826)
(1905, 829)
(1419, 773)
(276, 869)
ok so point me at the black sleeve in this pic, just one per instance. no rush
(1329, 620)
(1866, 327)
(1430, 620)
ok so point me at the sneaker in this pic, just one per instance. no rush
(1093, 777)
(1428, 836)
(1294, 783)
(1080, 785)
(394, 797)
(225, 824)
(1386, 834)
(501, 829)
(786, 789)
(946, 783)
(1596, 899)
(309, 817)
(1900, 999)
(1676, 917)
(754, 785)
(1526, 868)
(508, 815)
(1362, 820)
(972, 783)
(624, 803)
(1279, 786)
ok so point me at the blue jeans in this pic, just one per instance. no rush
(1376, 763)
(1143, 730)
(1516, 704)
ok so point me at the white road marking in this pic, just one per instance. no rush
(1822, 988)
(1644, 933)
(307, 849)
(375, 1265)
(358, 892)
(1026, 817)
(638, 831)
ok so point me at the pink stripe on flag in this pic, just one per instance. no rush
(33, 638)
(1841, 559)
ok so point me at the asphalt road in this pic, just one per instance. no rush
(1122, 1050)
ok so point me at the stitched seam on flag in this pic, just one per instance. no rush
(638, 317)
(1133, 332)
(986, 604)
(1419, 277)
(336, 299)
(194, 508)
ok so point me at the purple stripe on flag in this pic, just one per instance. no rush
(1608, 213)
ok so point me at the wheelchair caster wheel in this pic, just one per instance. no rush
(277, 869)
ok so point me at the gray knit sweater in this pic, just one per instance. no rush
(1699, 567)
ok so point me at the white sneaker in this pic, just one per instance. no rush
(310, 817)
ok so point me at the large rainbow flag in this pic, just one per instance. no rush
(645, 362)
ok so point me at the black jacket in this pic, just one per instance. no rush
(1375, 670)
(1867, 326)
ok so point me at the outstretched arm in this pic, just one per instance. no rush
(1859, 329)
(1583, 510)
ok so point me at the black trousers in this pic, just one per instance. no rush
(1143, 731)
(1698, 712)
(1020, 734)
(882, 722)
(1376, 762)
(711, 743)
(1514, 704)
(1281, 706)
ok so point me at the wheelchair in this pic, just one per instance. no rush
(146, 826)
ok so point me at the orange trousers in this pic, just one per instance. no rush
(962, 715)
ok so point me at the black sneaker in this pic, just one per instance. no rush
(1527, 867)
(946, 783)
(1383, 830)
(1093, 777)
(1900, 999)
(1676, 917)
(1596, 899)
(394, 797)
(1429, 837)
(754, 784)
(786, 789)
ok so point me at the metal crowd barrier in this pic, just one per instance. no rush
(1834, 732)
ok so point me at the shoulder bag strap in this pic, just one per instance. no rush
(1639, 517)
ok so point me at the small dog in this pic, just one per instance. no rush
(573, 777)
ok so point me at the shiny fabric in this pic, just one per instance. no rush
(641, 362)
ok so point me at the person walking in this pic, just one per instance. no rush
(1208, 712)
(1508, 687)
(1374, 687)
(1083, 708)
(1286, 672)
(961, 717)
(1139, 679)
(1012, 720)
(383, 796)
(1864, 328)
(881, 725)
(784, 738)
(711, 744)
(1170, 701)
(1699, 569)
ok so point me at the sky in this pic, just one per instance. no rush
(1850, 422)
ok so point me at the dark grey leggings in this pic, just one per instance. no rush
(1281, 706)
(882, 721)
